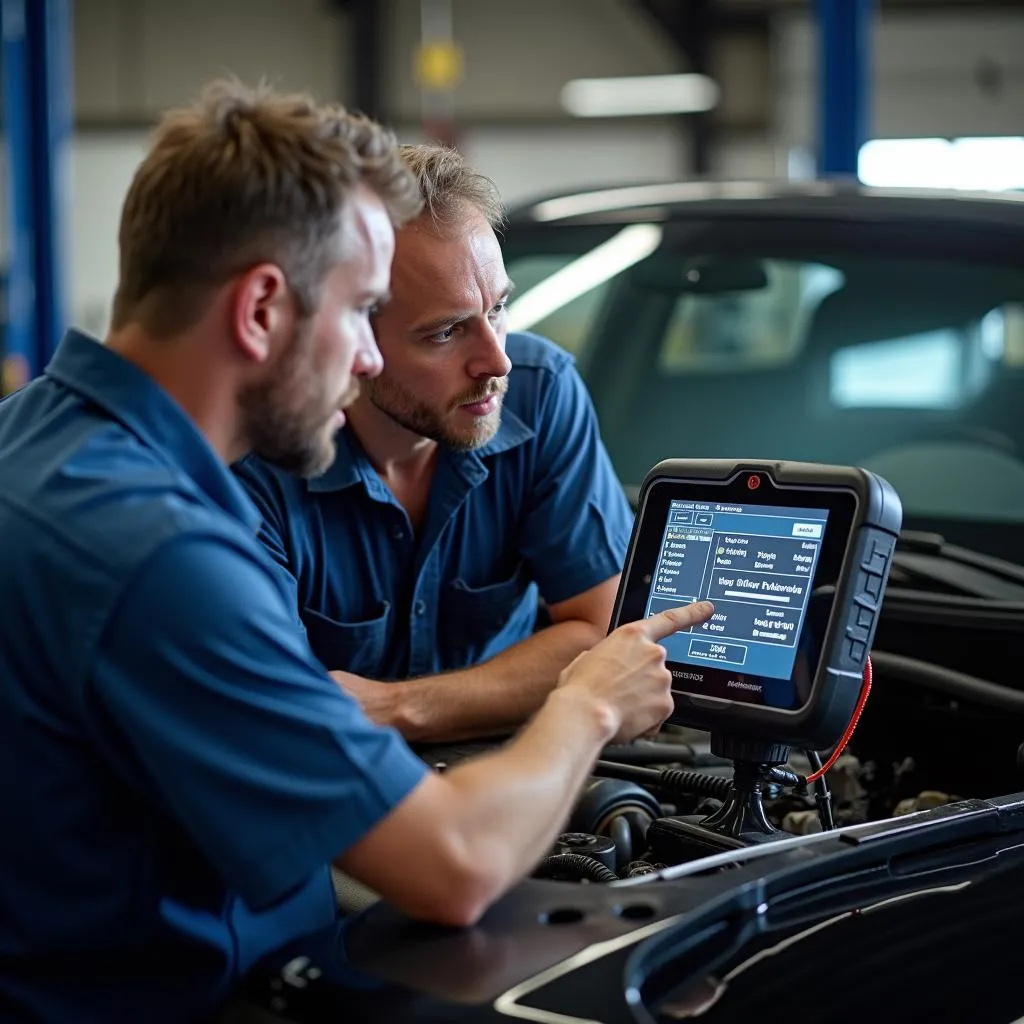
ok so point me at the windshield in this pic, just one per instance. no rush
(717, 343)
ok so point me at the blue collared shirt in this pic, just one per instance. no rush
(537, 507)
(178, 769)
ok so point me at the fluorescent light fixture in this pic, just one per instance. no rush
(971, 164)
(644, 95)
(622, 250)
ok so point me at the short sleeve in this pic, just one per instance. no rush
(266, 493)
(578, 522)
(270, 768)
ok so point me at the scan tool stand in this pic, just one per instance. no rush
(741, 820)
(742, 815)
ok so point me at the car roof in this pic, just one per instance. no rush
(756, 199)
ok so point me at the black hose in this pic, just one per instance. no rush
(649, 753)
(948, 680)
(696, 783)
(575, 864)
(620, 833)
(630, 772)
(673, 779)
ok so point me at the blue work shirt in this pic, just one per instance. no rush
(178, 770)
(538, 506)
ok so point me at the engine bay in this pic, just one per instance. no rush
(624, 824)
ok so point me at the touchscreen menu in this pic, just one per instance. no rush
(756, 563)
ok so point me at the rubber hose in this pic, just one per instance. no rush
(630, 772)
(948, 680)
(649, 753)
(574, 864)
(620, 833)
(696, 783)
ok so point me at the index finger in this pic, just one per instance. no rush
(665, 623)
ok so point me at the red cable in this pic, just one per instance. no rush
(864, 691)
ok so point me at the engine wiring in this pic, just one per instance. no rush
(854, 719)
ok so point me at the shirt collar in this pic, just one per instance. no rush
(129, 395)
(351, 465)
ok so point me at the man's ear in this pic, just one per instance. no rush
(261, 311)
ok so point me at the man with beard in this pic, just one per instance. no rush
(470, 476)
(179, 771)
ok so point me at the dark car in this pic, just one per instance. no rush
(819, 323)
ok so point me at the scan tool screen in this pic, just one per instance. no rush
(769, 558)
(757, 564)
(795, 558)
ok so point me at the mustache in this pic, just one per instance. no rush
(496, 386)
(350, 394)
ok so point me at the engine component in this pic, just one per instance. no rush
(573, 867)
(622, 811)
(603, 799)
(801, 823)
(599, 848)
(677, 841)
(924, 801)
(674, 780)
(642, 867)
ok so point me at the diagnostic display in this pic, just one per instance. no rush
(795, 558)
(756, 563)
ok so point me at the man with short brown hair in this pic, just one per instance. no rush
(180, 772)
(471, 477)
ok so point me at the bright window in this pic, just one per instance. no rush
(978, 164)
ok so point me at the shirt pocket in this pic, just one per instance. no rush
(480, 622)
(356, 647)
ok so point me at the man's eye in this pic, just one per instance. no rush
(442, 336)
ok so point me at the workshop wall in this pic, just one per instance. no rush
(940, 75)
(133, 58)
(944, 74)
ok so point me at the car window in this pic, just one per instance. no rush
(1011, 329)
(921, 371)
(570, 324)
(754, 327)
(909, 363)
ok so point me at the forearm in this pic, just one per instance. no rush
(495, 697)
(484, 824)
(481, 826)
(512, 804)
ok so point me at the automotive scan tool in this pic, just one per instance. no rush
(795, 558)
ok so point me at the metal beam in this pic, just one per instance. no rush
(37, 104)
(368, 59)
(844, 42)
(690, 26)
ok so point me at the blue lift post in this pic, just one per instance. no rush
(844, 70)
(38, 116)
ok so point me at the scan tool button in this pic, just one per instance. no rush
(857, 651)
(873, 586)
(877, 558)
(865, 616)
(713, 650)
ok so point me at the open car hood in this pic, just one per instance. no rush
(665, 947)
